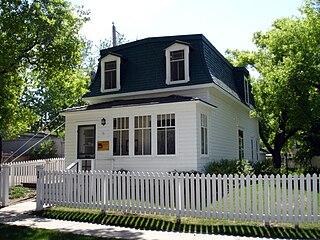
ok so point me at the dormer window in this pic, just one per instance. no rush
(177, 64)
(110, 73)
(246, 90)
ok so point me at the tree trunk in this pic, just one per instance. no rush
(276, 158)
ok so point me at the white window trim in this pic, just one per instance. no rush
(110, 58)
(177, 47)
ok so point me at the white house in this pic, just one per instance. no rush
(163, 104)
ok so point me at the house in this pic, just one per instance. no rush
(163, 104)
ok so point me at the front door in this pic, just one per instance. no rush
(86, 146)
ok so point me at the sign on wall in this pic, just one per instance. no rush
(103, 145)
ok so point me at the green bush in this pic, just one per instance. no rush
(46, 149)
(265, 167)
(226, 166)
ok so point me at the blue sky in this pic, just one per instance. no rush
(225, 23)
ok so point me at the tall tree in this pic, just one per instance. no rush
(40, 58)
(287, 90)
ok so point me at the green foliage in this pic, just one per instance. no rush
(45, 150)
(40, 59)
(265, 167)
(226, 166)
(287, 90)
(20, 192)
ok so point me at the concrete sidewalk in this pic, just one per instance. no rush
(19, 215)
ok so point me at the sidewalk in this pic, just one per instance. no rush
(18, 215)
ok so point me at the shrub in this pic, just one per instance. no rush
(226, 166)
(264, 167)
(46, 149)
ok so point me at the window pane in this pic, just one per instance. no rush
(110, 65)
(116, 143)
(171, 141)
(181, 70)
(161, 141)
(147, 142)
(174, 71)
(125, 143)
(138, 142)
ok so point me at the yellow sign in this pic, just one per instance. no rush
(103, 145)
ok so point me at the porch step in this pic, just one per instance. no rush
(30, 185)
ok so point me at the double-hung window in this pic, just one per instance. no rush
(241, 144)
(204, 134)
(110, 73)
(177, 63)
(166, 140)
(121, 136)
(142, 135)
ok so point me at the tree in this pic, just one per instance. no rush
(287, 90)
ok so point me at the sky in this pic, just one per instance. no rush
(225, 23)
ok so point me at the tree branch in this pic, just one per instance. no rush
(264, 139)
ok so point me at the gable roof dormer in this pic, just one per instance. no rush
(110, 73)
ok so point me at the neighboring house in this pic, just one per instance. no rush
(163, 104)
(24, 143)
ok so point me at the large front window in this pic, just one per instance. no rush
(86, 141)
(142, 135)
(204, 134)
(166, 134)
(121, 136)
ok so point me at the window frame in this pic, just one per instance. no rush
(203, 134)
(166, 128)
(173, 48)
(94, 142)
(107, 59)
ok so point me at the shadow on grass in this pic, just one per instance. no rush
(148, 223)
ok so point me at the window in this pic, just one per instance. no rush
(86, 165)
(246, 90)
(86, 141)
(204, 134)
(142, 135)
(110, 73)
(121, 136)
(177, 63)
(166, 134)
(241, 144)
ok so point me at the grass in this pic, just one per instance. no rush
(16, 192)
(189, 225)
(27, 233)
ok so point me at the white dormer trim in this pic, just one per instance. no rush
(246, 90)
(177, 47)
(110, 58)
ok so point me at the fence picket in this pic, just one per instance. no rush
(236, 193)
(309, 205)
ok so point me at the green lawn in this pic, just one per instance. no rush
(189, 225)
(26, 233)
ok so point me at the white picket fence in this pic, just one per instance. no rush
(25, 171)
(293, 199)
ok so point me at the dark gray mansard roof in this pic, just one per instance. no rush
(143, 66)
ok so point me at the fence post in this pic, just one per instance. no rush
(40, 187)
(5, 184)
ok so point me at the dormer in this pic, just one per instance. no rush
(177, 63)
(110, 73)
